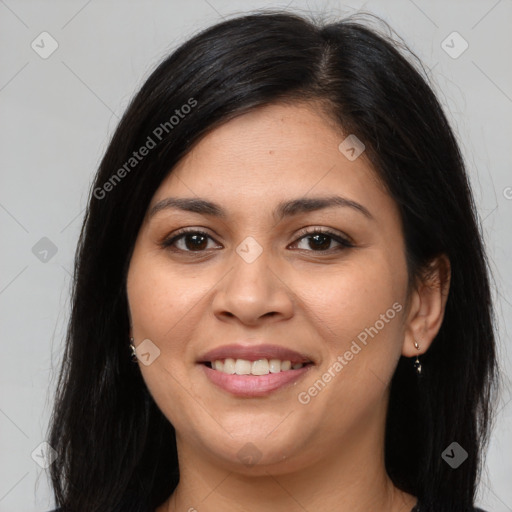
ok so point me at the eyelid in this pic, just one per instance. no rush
(326, 231)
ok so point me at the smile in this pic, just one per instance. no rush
(255, 369)
(232, 366)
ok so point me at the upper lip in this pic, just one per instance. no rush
(253, 353)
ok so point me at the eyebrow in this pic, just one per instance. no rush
(284, 209)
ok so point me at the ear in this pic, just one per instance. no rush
(427, 307)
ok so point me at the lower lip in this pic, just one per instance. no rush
(253, 385)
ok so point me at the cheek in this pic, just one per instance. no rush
(357, 313)
(161, 299)
(345, 302)
(161, 306)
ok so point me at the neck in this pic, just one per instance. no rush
(357, 491)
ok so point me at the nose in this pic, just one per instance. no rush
(253, 293)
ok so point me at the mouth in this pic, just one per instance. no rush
(256, 370)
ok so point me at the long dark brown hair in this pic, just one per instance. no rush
(116, 450)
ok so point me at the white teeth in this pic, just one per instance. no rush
(229, 366)
(274, 365)
(259, 367)
(243, 367)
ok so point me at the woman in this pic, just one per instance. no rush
(282, 235)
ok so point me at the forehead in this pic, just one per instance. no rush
(276, 152)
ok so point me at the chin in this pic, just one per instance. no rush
(257, 451)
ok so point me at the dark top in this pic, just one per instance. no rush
(416, 508)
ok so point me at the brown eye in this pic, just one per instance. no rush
(320, 240)
(188, 241)
(195, 242)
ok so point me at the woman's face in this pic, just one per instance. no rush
(260, 285)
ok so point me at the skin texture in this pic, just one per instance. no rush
(327, 454)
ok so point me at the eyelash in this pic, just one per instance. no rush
(345, 243)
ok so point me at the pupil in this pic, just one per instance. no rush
(195, 245)
(322, 246)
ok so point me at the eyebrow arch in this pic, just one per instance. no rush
(284, 209)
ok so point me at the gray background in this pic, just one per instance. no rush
(58, 113)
